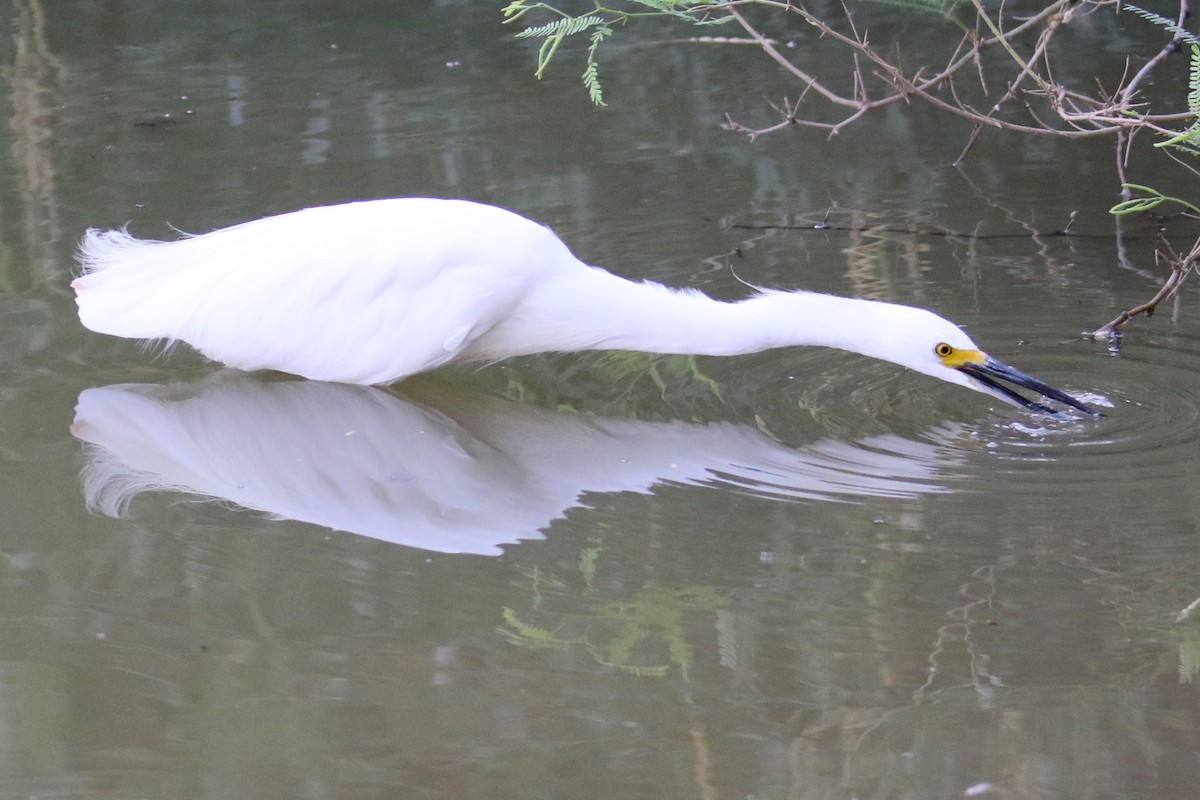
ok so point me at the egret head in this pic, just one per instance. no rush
(925, 342)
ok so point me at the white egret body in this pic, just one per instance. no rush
(374, 291)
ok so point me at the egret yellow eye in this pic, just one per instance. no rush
(943, 350)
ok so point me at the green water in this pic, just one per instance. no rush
(796, 574)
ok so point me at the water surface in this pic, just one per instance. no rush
(791, 574)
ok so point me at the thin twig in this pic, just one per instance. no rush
(1170, 47)
(1180, 269)
(1085, 116)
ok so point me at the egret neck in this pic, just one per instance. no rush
(607, 312)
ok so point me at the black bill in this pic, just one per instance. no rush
(991, 372)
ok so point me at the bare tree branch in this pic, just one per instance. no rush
(1180, 269)
(1080, 115)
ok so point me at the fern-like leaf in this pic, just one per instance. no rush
(567, 26)
(525, 633)
(1193, 97)
(1188, 140)
(555, 32)
(1164, 22)
(601, 25)
(591, 77)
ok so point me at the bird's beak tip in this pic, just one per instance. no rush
(989, 372)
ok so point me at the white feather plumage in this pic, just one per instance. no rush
(374, 291)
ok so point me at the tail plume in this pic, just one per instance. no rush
(120, 289)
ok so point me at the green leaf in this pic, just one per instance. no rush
(1169, 24)
(601, 22)
(561, 28)
(591, 77)
(1135, 205)
(1156, 198)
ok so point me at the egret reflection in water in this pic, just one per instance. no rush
(438, 469)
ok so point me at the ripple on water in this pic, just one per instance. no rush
(1149, 395)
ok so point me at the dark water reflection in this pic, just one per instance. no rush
(794, 574)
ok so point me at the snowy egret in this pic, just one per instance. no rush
(374, 291)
